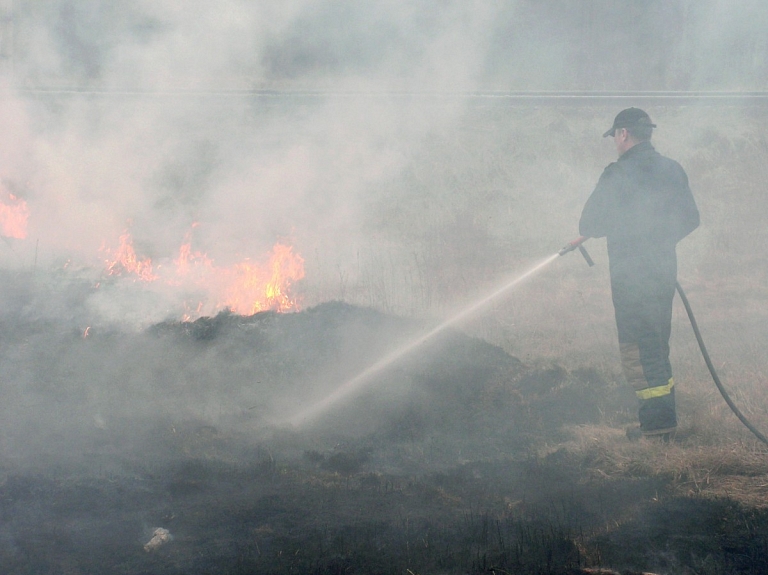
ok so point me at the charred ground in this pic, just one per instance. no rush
(458, 459)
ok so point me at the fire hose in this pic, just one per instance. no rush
(578, 244)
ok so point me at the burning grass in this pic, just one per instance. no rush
(243, 288)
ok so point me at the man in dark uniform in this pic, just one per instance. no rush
(643, 205)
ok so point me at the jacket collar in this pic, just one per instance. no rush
(638, 148)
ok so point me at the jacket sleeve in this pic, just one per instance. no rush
(685, 216)
(598, 213)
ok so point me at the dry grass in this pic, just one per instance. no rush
(734, 470)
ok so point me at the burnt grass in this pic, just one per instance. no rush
(437, 466)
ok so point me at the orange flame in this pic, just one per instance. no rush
(255, 288)
(14, 215)
(244, 288)
(125, 261)
(189, 261)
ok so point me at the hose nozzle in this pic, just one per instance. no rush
(570, 246)
(577, 245)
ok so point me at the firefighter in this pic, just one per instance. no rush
(643, 206)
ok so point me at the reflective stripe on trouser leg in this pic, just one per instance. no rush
(656, 411)
(658, 391)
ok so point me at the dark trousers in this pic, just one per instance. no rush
(643, 306)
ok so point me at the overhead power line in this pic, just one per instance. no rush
(511, 97)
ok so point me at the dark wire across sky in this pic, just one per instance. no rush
(511, 97)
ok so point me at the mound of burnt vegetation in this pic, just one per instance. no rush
(449, 388)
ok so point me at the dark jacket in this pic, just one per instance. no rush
(643, 205)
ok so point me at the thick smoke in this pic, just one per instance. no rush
(157, 138)
(345, 130)
(142, 117)
(382, 142)
(376, 140)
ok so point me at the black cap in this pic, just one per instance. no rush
(629, 118)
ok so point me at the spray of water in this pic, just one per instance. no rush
(365, 377)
